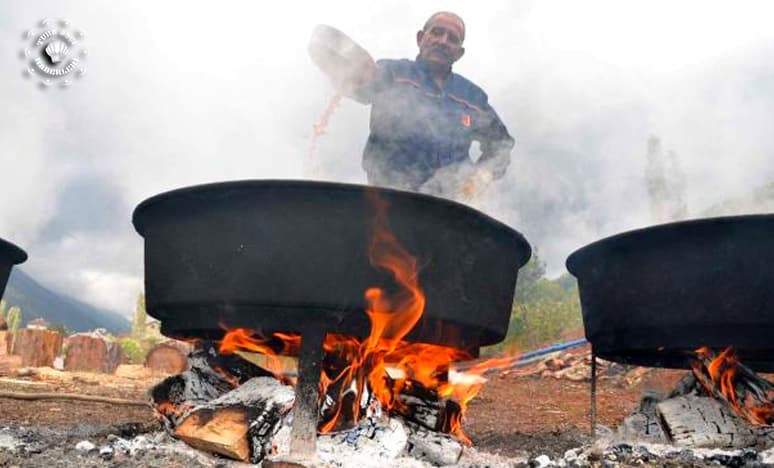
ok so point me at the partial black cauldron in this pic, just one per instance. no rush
(651, 296)
(10, 255)
(278, 255)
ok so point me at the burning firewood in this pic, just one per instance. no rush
(750, 396)
(239, 424)
(720, 404)
(205, 380)
(694, 421)
(426, 408)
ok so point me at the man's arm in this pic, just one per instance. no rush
(378, 79)
(344, 62)
(496, 144)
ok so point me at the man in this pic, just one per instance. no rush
(424, 118)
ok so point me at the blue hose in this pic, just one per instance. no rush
(554, 348)
(532, 356)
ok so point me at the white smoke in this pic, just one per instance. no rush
(180, 93)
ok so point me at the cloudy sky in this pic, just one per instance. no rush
(181, 93)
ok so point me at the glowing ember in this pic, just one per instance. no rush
(724, 376)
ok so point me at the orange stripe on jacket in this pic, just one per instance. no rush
(406, 80)
(464, 102)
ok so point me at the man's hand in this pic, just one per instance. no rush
(348, 65)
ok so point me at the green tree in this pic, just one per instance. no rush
(133, 350)
(543, 309)
(528, 277)
(14, 318)
(140, 318)
(60, 328)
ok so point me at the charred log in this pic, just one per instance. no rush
(693, 421)
(723, 377)
(209, 376)
(645, 423)
(239, 424)
(423, 406)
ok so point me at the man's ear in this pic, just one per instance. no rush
(420, 35)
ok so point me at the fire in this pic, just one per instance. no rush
(242, 339)
(382, 365)
(730, 380)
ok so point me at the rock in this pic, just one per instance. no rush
(543, 461)
(106, 452)
(767, 457)
(85, 446)
(554, 364)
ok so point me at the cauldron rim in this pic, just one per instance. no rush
(13, 252)
(577, 258)
(141, 211)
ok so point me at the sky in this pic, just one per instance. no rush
(182, 93)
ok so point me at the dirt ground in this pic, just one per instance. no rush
(512, 414)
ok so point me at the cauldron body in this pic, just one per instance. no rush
(279, 255)
(10, 255)
(652, 296)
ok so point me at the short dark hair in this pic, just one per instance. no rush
(446, 13)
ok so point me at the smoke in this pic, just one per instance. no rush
(178, 94)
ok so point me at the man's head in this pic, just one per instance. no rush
(440, 40)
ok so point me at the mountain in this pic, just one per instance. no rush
(35, 301)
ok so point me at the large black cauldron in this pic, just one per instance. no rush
(10, 255)
(280, 255)
(652, 295)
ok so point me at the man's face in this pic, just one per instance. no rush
(440, 44)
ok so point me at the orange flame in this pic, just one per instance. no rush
(383, 363)
(242, 339)
(724, 374)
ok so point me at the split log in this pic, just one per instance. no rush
(37, 348)
(221, 431)
(239, 424)
(644, 424)
(694, 421)
(205, 380)
(85, 353)
(167, 359)
(431, 446)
